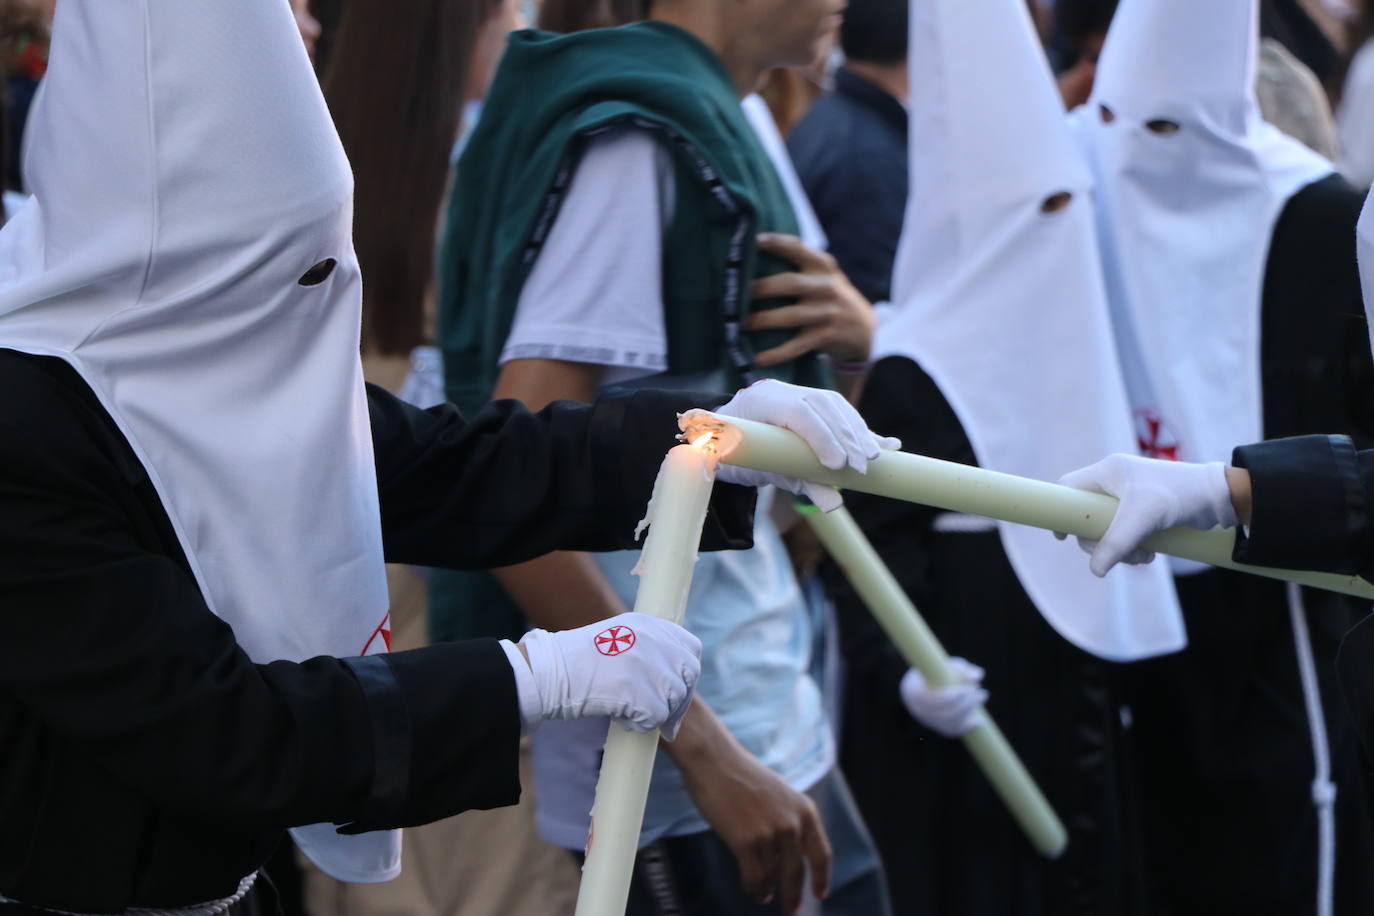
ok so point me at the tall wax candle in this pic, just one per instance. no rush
(978, 491)
(893, 610)
(677, 512)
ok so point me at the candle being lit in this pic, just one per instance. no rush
(978, 491)
(676, 514)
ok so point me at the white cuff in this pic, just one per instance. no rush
(531, 709)
(1224, 509)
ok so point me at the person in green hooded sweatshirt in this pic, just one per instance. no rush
(614, 222)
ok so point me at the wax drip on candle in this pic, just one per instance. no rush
(703, 441)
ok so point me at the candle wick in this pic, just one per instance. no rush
(705, 441)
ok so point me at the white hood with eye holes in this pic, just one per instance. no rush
(186, 179)
(998, 296)
(1191, 181)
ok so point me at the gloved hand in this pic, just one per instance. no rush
(1154, 495)
(951, 711)
(632, 667)
(828, 423)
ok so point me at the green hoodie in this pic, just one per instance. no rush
(550, 94)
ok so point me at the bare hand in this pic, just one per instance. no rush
(830, 315)
(773, 830)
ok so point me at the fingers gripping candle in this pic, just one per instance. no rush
(676, 514)
(893, 610)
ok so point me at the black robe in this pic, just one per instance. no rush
(1312, 509)
(949, 846)
(147, 761)
(1224, 752)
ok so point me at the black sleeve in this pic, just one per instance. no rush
(109, 646)
(511, 485)
(899, 399)
(1310, 505)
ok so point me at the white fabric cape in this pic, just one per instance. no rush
(1187, 217)
(186, 176)
(1002, 304)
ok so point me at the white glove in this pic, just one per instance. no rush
(632, 667)
(951, 711)
(828, 423)
(1154, 495)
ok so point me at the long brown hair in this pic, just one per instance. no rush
(396, 86)
(576, 15)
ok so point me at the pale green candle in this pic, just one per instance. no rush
(675, 517)
(976, 491)
(922, 650)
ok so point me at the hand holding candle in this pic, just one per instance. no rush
(953, 710)
(639, 669)
(1154, 495)
(677, 512)
(908, 631)
(830, 425)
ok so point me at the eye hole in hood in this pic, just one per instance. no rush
(1163, 127)
(1056, 202)
(319, 273)
(1106, 114)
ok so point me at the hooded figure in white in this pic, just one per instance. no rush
(998, 296)
(187, 253)
(997, 349)
(207, 292)
(1191, 182)
(1217, 227)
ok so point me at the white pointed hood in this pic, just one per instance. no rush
(1191, 181)
(998, 296)
(186, 179)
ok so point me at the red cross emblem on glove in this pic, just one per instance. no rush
(615, 640)
(1154, 437)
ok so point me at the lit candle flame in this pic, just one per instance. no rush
(702, 441)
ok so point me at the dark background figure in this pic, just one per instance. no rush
(1290, 25)
(850, 148)
(24, 51)
(1078, 30)
(575, 15)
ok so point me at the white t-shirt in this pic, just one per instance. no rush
(595, 295)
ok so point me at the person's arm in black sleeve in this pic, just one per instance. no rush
(109, 644)
(1310, 505)
(510, 485)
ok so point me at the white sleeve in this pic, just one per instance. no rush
(526, 690)
(595, 294)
